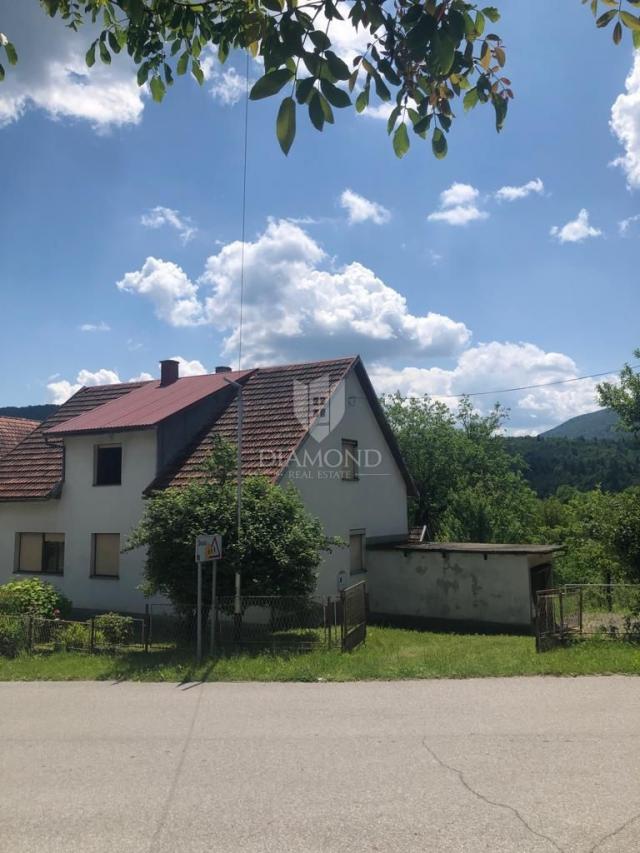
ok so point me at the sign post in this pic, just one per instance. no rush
(208, 549)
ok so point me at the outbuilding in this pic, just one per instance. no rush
(458, 585)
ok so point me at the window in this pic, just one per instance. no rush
(349, 459)
(40, 552)
(106, 555)
(108, 466)
(356, 551)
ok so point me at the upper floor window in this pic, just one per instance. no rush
(108, 465)
(40, 552)
(349, 459)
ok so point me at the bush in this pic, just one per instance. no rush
(116, 630)
(75, 636)
(13, 636)
(34, 597)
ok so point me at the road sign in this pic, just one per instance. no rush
(208, 547)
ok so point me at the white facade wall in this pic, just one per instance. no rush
(375, 503)
(451, 586)
(84, 509)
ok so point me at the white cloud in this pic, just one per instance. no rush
(380, 111)
(625, 124)
(95, 327)
(493, 366)
(458, 194)
(458, 206)
(63, 389)
(299, 305)
(514, 193)
(52, 75)
(159, 216)
(576, 230)
(174, 297)
(189, 368)
(295, 302)
(625, 224)
(228, 86)
(360, 209)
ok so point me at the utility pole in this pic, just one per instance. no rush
(237, 608)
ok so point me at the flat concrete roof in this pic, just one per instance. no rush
(471, 547)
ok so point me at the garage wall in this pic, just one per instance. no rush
(450, 587)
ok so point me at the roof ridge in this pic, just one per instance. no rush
(346, 358)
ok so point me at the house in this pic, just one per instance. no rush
(12, 431)
(464, 586)
(72, 490)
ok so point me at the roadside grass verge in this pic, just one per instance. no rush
(388, 654)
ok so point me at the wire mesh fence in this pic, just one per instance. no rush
(587, 610)
(258, 623)
(263, 622)
(100, 633)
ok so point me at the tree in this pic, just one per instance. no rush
(624, 398)
(470, 488)
(421, 55)
(280, 547)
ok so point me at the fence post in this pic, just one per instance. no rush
(146, 628)
(92, 635)
(30, 633)
(580, 605)
(561, 605)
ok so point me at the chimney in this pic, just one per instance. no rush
(222, 368)
(169, 372)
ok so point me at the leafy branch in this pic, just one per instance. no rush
(422, 57)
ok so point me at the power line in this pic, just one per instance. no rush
(244, 210)
(529, 387)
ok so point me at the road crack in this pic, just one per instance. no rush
(615, 832)
(497, 803)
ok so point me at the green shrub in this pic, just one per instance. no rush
(117, 630)
(13, 636)
(33, 596)
(75, 636)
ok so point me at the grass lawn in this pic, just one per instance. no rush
(388, 654)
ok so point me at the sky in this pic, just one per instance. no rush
(512, 262)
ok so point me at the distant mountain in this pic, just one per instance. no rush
(600, 425)
(35, 413)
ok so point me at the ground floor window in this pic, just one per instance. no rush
(40, 552)
(106, 555)
(356, 551)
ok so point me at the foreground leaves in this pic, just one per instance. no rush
(421, 56)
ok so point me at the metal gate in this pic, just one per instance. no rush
(558, 616)
(354, 615)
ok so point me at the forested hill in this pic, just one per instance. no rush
(34, 413)
(600, 424)
(579, 462)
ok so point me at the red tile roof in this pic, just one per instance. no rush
(13, 430)
(34, 469)
(147, 405)
(271, 429)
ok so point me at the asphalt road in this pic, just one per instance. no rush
(514, 765)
